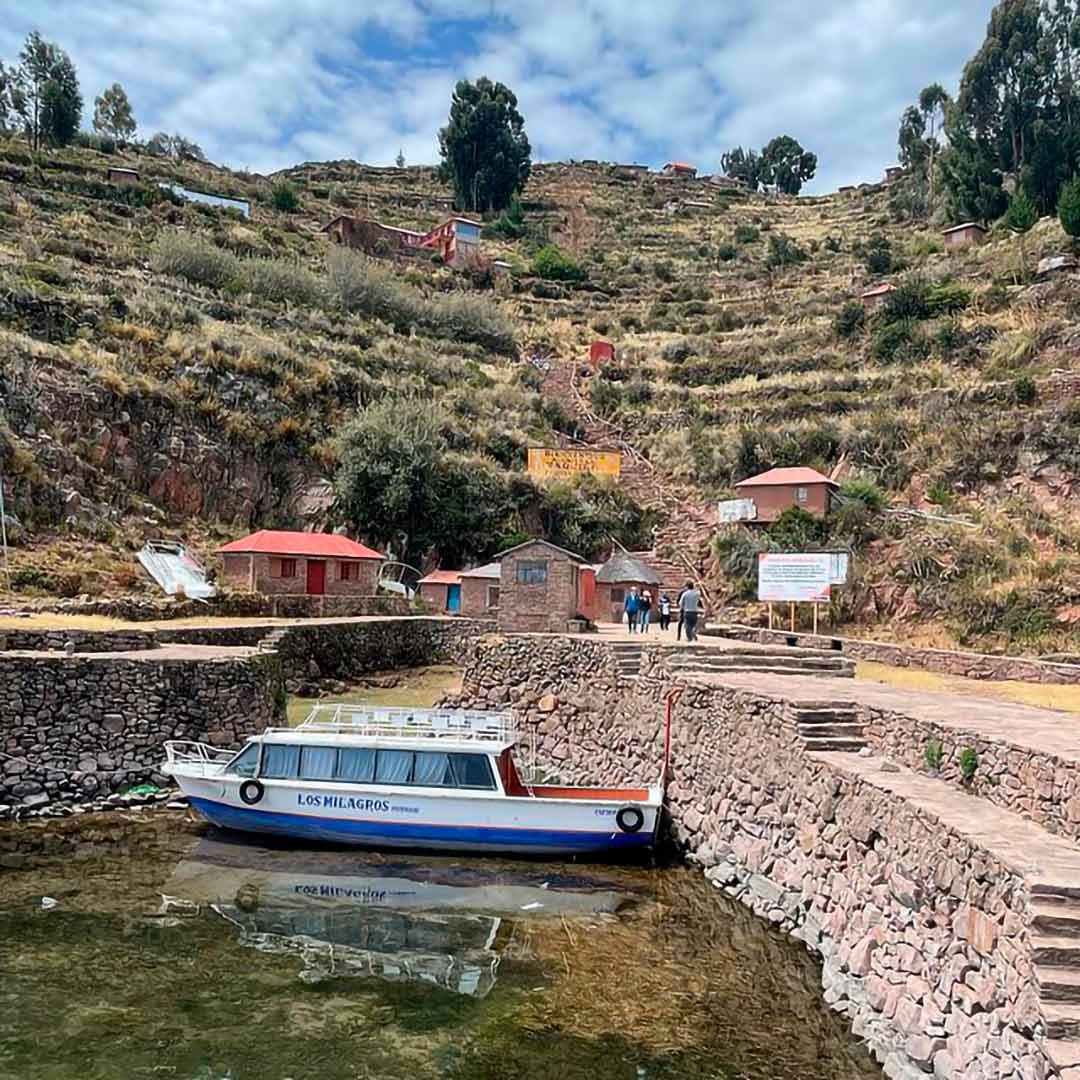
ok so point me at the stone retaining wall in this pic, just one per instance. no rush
(72, 728)
(85, 641)
(969, 665)
(924, 938)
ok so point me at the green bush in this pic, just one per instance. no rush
(552, 265)
(833, 243)
(899, 341)
(906, 301)
(864, 490)
(783, 251)
(969, 763)
(797, 530)
(947, 298)
(934, 754)
(1069, 207)
(877, 254)
(850, 319)
(1024, 390)
(509, 225)
(284, 197)
(727, 252)
(746, 234)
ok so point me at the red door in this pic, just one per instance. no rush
(316, 577)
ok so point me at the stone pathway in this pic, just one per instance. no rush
(1048, 731)
(1050, 865)
(150, 656)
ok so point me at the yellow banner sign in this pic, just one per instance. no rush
(562, 463)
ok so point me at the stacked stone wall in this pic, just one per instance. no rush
(74, 728)
(944, 661)
(923, 936)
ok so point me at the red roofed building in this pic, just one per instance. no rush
(678, 168)
(876, 295)
(777, 490)
(441, 589)
(300, 564)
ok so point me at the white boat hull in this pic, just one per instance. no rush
(409, 818)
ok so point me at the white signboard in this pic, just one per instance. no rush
(839, 573)
(737, 510)
(797, 577)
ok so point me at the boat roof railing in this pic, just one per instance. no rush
(465, 725)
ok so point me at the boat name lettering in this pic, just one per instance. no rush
(342, 802)
(604, 812)
(367, 895)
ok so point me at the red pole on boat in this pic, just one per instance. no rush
(669, 709)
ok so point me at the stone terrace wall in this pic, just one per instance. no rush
(73, 728)
(969, 665)
(85, 641)
(924, 938)
(1043, 787)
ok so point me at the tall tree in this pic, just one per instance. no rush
(911, 139)
(975, 182)
(1019, 219)
(113, 115)
(787, 165)
(48, 86)
(176, 146)
(933, 101)
(12, 105)
(744, 165)
(485, 151)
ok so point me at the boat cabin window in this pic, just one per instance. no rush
(357, 765)
(245, 763)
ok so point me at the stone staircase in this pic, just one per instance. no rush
(270, 643)
(765, 659)
(1055, 940)
(828, 725)
(627, 658)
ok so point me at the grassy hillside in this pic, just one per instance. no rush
(172, 368)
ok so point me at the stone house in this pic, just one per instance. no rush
(970, 234)
(777, 490)
(621, 573)
(539, 585)
(875, 296)
(441, 589)
(278, 563)
(893, 173)
(122, 177)
(481, 588)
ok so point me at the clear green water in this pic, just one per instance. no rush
(346, 966)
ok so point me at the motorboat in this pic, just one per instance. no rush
(407, 778)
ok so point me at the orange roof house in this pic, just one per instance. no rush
(876, 295)
(301, 564)
(778, 490)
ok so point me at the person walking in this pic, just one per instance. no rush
(679, 611)
(644, 608)
(689, 605)
(665, 611)
(630, 606)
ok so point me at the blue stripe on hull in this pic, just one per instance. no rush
(400, 834)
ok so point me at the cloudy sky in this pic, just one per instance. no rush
(263, 84)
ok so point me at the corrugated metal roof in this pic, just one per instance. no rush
(319, 545)
(797, 475)
(878, 290)
(441, 577)
(491, 570)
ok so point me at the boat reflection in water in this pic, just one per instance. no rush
(357, 915)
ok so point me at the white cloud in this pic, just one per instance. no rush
(264, 83)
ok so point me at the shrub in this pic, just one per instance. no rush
(969, 762)
(877, 254)
(1069, 207)
(783, 251)
(797, 530)
(906, 301)
(279, 280)
(866, 491)
(947, 298)
(934, 754)
(675, 352)
(664, 271)
(283, 197)
(552, 265)
(727, 252)
(194, 259)
(833, 243)
(850, 319)
(746, 234)
(1024, 390)
(510, 224)
(899, 341)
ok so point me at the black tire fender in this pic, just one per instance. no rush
(251, 792)
(630, 819)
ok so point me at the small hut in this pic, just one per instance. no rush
(621, 573)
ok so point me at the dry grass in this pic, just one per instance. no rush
(419, 687)
(1024, 693)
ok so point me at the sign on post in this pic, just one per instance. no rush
(795, 577)
(544, 463)
(731, 510)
